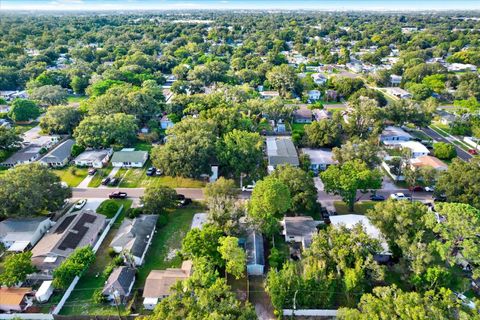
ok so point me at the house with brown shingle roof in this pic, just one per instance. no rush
(428, 161)
(13, 299)
(159, 283)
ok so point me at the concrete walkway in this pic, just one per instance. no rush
(85, 182)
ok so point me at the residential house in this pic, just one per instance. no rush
(255, 254)
(4, 108)
(93, 158)
(281, 151)
(398, 92)
(302, 115)
(319, 79)
(300, 229)
(461, 67)
(320, 159)
(5, 123)
(314, 95)
(428, 161)
(392, 133)
(168, 94)
(351, 220)
(24, 156)
(165, 122)
(71, 231)
(129, 158)
(332, 95)
(12, 95)
(134, 236)
(446, 118)
(159, 282)
(395, 80)
(269, 94)
(18, 234)
(416, 148)
(320, 114)
(60, 155)
(119, 284)
(14, 299)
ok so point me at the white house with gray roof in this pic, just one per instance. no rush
(320, 158)
(60, 155)
(135, 236)
(281, 150)
(299, 229)
(129, 158)
(94, 158)
(23, 233)
(119, 284)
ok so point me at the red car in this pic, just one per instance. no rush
(473, 152)
(416, 189)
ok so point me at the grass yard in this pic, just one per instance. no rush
(298, 127)
(22, 128)
(76, 99)
(99, 176)
(72, 177)
(136, 178)
(143, 146)
(420, 135)
(359, 208)
(80, 301)
(166, 242)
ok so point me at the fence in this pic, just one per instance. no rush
(95, 249)
(26, 316)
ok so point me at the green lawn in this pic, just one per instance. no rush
(72, 178)
(299, 127)
(420, 135)
(99, 176)
(21, 128)
(166, 241)
(75, 99)
(143, 146)
(359, 208)
(136, 178)
(80, 301)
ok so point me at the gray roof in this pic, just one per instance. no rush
(303, 113)
(133, 234)
(119, 280)
(301, 226)
(130, 156)
(93, 155)
(60, 152)
(281, 151)
(254, 248)
(26, 154)
(21, 225)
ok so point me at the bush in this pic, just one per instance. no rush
(445, 151)
(111, 252)
(98, 296)
(134, 212)
(76, 150)
(108, 208)
(276, 258)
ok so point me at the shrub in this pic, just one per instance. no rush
(444, 150)
(162, 220)
(134, 212)
(111, 252)
(98, 296)
(108, 208)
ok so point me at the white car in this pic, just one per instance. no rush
(399, 196)
(80, 204)
(465, 301)
(429, 189)
(248, 188)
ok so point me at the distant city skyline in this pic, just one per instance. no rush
(373, 5)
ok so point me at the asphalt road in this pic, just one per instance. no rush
(460, 152)
(197, 194)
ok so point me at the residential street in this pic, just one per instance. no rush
(460, 152)
(197, 194)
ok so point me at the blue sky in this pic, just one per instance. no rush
(240, 4)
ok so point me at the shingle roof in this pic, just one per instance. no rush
(23, 227)
(119, 280)
(60, 152)
(133, 234)
(159, 282)
(130, 156)
(13, 296)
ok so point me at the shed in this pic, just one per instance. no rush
(255, 254)
(45, 291)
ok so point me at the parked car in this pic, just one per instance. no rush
(159, 172)
(439, 198)
(248, 188)
(473, 152)
(464, 300)
(92, 171)
(117, 195)
(183, 201)
(113, 182)
(430, 189)
(106, 181)
(377, 197)
(151, 171)
(400, 196)
(416, 188)
(80, 204)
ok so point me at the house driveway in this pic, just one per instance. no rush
(110, 175)
(85, 182)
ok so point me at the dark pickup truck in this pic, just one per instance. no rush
(118, 195)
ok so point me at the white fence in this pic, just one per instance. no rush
(310, 312)
(95, 249)
(26, 316)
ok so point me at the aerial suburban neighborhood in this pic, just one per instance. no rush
(239, 160)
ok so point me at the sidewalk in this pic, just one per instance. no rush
(85, 182)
